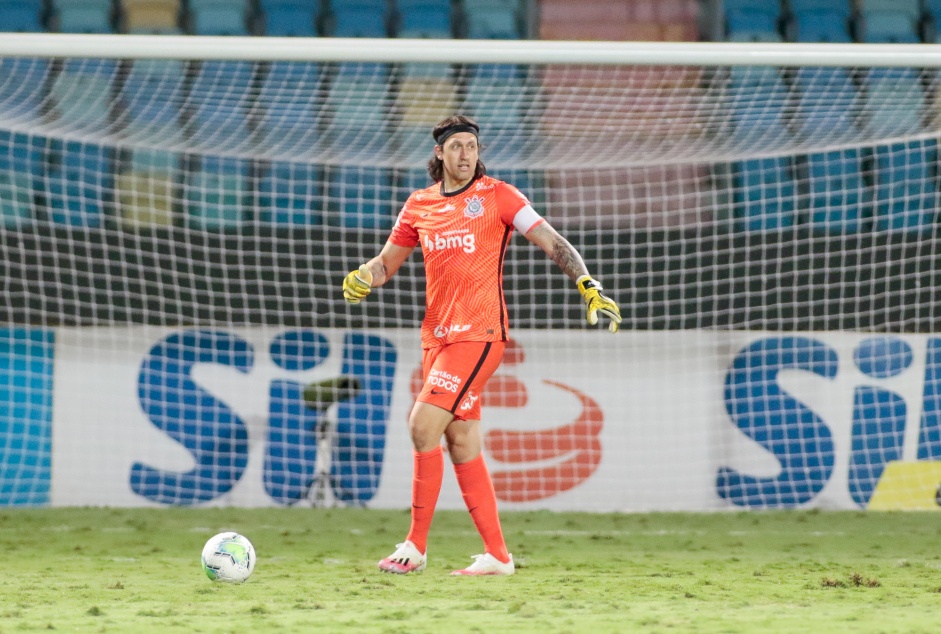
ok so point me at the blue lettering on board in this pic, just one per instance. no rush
(791, 431)
(208, 428)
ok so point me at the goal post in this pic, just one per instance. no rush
(177, 214)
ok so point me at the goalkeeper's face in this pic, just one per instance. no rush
(459, 158)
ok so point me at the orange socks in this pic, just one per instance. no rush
(474, 479)
(426, 485)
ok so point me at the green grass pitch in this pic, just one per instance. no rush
(137, 570)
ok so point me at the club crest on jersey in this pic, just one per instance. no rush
(475, 207)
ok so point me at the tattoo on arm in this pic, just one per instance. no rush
(568, 259)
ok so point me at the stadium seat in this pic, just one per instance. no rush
(83, 16)
(502, 112)
(358, 18)
(412, 144)
(424, 101)
(81, 92)
(219, 101)
(359, 92)
(290, 194)
(424, 19)
(818, 21)
(822, 25)
(752, 24)
(150, 16)
(78, 183)
(834, 190)
(585, 20)
(492, 22)
(911, 8)
(216, 192)
(756, 99)
(905, 192)
(291, 18)
(218, 17)
(842, 6)
(763, 194)
(895, 101)
(410, 180)
(21, 170)
(286, 120)
(146, 187)
(151, 96)
(21, 16)
(883, 27)
(16, 72)
(360, 197)
(829, 119)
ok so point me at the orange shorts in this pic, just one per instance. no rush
(455, 374)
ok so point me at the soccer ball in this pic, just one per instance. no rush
(228, 557)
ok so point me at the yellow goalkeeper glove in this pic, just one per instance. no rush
(357, 285)
(596, 302)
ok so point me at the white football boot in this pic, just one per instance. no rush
(485, 565)
(404, 560)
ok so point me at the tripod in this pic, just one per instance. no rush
(322, 396)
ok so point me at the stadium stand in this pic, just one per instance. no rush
(290, 194)
(16, 73)
(831, 119)
(284, 118)
(832, 190)
(493, 19)
(82, 16)
(218, 106)
(425, 18)
(764, 193)
(146, 186)
(290, 18)
(82, 93)
(905, 186)
(78, 182)
(216, 192)
(21, 173)
(888, 21)
(357, 18)
(752, 21)
(931, 20)
(149, 100)
(621, 20)
(359, 92)
(838, 191)
(895, 101)
(153, 17)
(218, 17)
(21, 16)
(361, 197)
(818, 21)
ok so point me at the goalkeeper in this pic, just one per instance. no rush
(463, 224)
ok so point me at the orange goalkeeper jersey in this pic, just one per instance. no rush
(464, 236)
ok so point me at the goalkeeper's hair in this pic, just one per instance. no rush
(436, 165)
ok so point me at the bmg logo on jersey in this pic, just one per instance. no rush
(460, 239)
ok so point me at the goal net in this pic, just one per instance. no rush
(174, 232)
